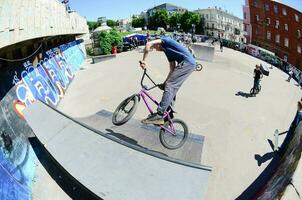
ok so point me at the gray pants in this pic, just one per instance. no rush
(176, 79)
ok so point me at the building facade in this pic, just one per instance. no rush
(276, 27)
(220, 23)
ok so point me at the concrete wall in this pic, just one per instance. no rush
(22, 20)
(44, 76)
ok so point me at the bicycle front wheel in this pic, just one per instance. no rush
(125, 110)
(173, 134)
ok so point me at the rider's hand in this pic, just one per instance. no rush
(143, 64)
(161, 86)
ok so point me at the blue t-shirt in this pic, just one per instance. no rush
(176, 52)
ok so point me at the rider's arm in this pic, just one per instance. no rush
(148, 46)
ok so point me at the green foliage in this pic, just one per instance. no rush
(138, 22)
(92, 25)
(174, 19)
(112, 23)
(159, 19)
(89, 51)
(109, 40)
(187, 19)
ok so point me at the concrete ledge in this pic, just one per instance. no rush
(204, 52)
(96, 59)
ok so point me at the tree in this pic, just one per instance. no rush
(138, 22)
(109, 40)
(159, 19)
(187, 19)
(111, 23)
(200, 26)
(174, 20)
(92, 25)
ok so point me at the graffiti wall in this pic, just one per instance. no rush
(45, 76)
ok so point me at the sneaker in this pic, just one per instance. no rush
(155, 119)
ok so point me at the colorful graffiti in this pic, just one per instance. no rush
(46, 77)
(49, 79)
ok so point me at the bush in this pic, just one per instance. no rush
(109, 40)
(89, 51)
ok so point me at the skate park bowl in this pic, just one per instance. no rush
(204, 51)
(100, 165)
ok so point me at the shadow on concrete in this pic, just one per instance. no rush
(73, 188)
(268, 156)
(130, 141)
(244, 94)
(264, 158)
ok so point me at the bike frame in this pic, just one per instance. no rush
(144, 95)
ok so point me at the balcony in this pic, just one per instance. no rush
(22, 20)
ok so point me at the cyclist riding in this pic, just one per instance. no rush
(257, 76)
(182, 64)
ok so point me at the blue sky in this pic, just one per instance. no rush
(118, 9)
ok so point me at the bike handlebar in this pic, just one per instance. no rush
(143, 77)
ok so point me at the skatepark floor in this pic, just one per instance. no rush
(214, 103)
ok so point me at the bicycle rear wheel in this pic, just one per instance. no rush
(125, 110)
(198, 67)
(179, 136)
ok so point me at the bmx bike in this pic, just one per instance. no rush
(173, 133)
(255, 90)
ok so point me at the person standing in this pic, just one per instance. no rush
(257, 76)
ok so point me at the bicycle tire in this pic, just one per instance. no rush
(121, 107)
(252, 91)
(198, 67)
(163, 134)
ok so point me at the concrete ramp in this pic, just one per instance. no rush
(203, 52)
(111, 168)
(145, 136)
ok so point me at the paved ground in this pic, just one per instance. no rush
(236, 128)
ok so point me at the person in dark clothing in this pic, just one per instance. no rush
(297, 119)
(221, 45)
(181, 63)
(257, 76)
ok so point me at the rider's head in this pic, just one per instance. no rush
(158, 47)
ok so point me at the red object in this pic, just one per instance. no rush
(114, 50)
(265, 19)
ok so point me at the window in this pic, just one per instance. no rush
(268, 21)
(275, 8)
(286, 42)
(267, 7)
(286, 27)
(212, 26)
(284, 11)
(244, 14)
(277, 24)
(268, 35)
(256, 31)
(297, 18)
(278, 38)
(207, 25)
(298, 33)
(299, 49)
(255, 3)
(257, 18)
(207, 16)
